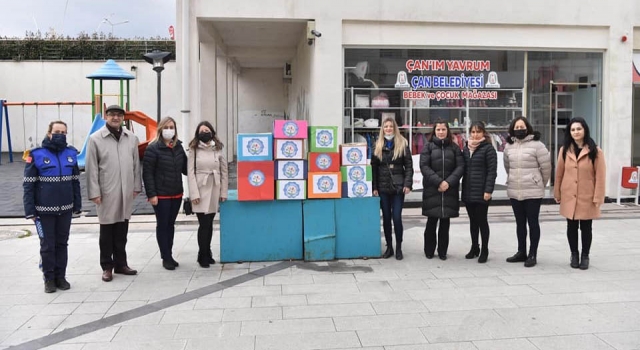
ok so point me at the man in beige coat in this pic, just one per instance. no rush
(113, 181)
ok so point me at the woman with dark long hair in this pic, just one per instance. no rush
(163, 165)
(208, 184)
(442, 166)
(579, 187)
(392, 169)
(481, 163)
(528, 166)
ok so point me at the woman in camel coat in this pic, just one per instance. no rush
(208, 184)
(579, 187)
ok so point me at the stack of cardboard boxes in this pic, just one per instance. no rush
(290, 154)
(325, 179)
(356, 173)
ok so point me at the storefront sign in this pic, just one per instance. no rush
(468, 84)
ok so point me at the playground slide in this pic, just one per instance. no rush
(98, 123)
(149, 124)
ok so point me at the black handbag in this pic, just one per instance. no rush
(186, 204)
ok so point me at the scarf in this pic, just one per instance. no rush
(473, 144)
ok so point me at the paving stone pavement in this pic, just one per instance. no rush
(11, 204)
(372, 304)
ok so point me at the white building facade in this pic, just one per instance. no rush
(243, 63)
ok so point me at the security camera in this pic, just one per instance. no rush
(316, 33)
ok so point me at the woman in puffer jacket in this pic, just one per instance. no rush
(392, 169)
(481, 165)
(528, 166)
(442, 166)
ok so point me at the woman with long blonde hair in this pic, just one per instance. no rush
(163, 165)
(392, 169)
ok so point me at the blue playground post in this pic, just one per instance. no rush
(4, 110)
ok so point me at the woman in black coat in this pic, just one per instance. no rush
(481, 166)
(442, 166)
(392, 169)
(163, 165)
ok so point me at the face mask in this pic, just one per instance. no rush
(205, 137)
(168, 134)
(59, 140)
(389, 137)
(520, 134)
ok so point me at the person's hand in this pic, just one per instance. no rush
(444, 186)
(33, 218)
(487, 196)
(598, 204)
(153, 200)
(406, 190)
(557, 200)
(135, 194)
(97, 200)
(375, 193)
(195, 201)
(223, 199)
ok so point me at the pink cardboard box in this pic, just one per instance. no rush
(290, 129)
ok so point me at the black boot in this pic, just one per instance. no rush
(575, 260)
(584, 262)
(484, 255)
(49, 286)
(399, 255)
(389, 252)
(517, 257)
(203, 260)
(475, 250)
(211, 259)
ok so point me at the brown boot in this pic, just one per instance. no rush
(107, 275)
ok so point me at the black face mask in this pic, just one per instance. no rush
(59, 140)
(205, 137)
(520, 134)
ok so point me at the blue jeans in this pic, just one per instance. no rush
(391, 205)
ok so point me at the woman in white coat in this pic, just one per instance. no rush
(208, 184)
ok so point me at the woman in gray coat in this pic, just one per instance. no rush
(208, 184)
(528, 166)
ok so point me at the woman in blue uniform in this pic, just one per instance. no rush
(51, 194)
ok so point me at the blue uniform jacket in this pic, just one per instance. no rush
(51, 181)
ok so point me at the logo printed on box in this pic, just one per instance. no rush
(325, 183)
(255, 146)
(323, 161)
(292, 190)
(360, 189)
(324, 138)
(290, 129)
(256, 178)
(354, 155)
(291, 169)
(357, 173)
(289, 149)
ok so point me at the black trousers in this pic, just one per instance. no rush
(113, 240)
(527, 211)
(166, 213)
(478, 223)
(572, 235)
(430, 241)
(205, 232)
(53, 244)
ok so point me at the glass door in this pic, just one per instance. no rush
(569, 100)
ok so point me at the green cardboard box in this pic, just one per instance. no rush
(323, 139)
(353, 173)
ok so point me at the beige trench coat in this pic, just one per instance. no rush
(211, 178)
(113, 173)
(580, 184)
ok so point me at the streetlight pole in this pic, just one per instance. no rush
(158, 58)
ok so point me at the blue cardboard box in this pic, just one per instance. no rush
(255, 147)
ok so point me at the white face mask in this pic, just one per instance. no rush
(168, 134)
(389, 137)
